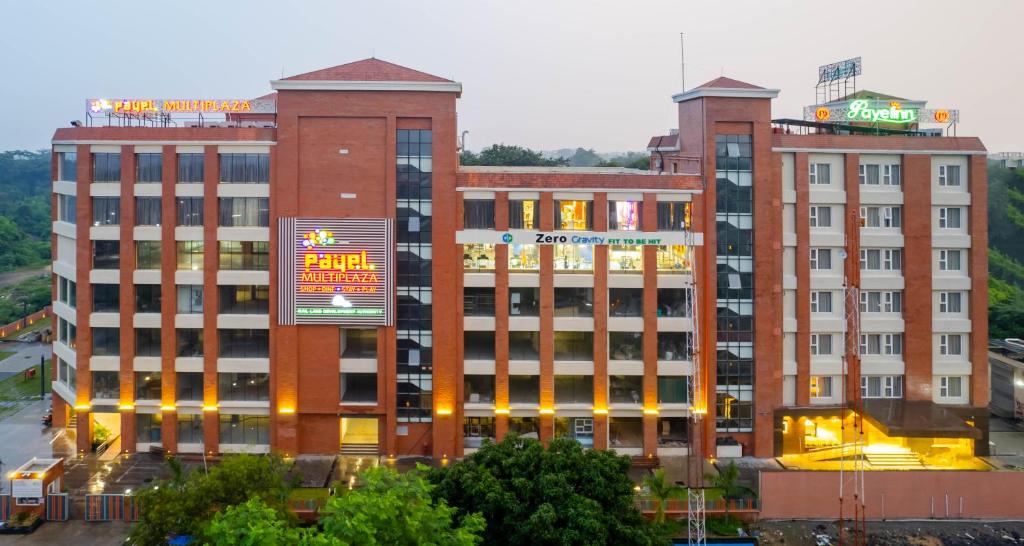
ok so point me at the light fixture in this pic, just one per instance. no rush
(286, 410)
(547, 411)
(167, 408)
(210, 408)
(82, 406)
(600, 411)
(444, 411)
(501, 411)
(650, 411)
(126, 407)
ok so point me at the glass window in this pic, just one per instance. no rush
(244, 255)
(244, 299)
(147, 298)
(624, 215)
(190, 211)
(523, 302)
(523, 389)
(148, 427)
(674, 345)
(106, 341)
(147, 342)
(106, 385)
(245, 168)
(67, 332)
(625, 258)
(674, 302)
(147, 211)
(67, 291)
(523, 258)
(574, 302)
(147, 254)
(478, 302)
(526, 427)
(478, 389)
(478, 214)
(626, 389)
(673, 389)
(106, 211)
(67, 166)
(66, 208)
(149, 168)
(106, 167)
(477, 429)
(190, 428)
(950, 387)
(105, 254)
(625, 346)
(359, 343)
(574, 215)
(238, 387)
(625, 302)
(243, 343)
(574, 345)
(575, 258)
(625, 432)
(244, 429)
(478, 345)
(869, 175)
(821, 258)
(672, 431)
(189, 342)
(949, 175)
(189, 255)
(478, 257)
(820, 173)
(574, 389)
(673, 216)
(147, 385)
(522, 214)
(244, 212)
(190, 386)
(673, 259)
(190, 168)
(523, 345)
(360, 388)
(106, 298)
(190, 298)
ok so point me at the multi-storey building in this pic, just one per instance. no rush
(314, 273)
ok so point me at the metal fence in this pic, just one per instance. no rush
(58, 507)
(104, 507)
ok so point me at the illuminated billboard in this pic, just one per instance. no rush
(336, 271)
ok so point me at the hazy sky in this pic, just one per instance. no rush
(544, 74)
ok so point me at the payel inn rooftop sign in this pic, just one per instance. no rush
(868, 111)
(180, 106)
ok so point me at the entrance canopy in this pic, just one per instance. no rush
(917, 419)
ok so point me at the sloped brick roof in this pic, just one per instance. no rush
(368, 70)
(728, 83)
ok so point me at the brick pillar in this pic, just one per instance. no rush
(169, 302)
(501, 317)
(547, 322)
(803, 279)
(211, 176)
(127, 295)
(852, 265)
(83, 302)
(650, 319)
(977, 219)
(917, 274)
(601, 324)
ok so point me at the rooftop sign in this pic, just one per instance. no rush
(180, 106)
(839, 71)
(869, 111)
(336, 271)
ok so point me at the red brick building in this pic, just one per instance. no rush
(313, 272)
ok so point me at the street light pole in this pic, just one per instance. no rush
(42, 379)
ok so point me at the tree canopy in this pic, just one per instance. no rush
(562, 494)
(1006, 252)
(505, 155)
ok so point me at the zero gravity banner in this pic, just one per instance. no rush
(336, 271)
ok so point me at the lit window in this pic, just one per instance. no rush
(821, 387)
(674, 259)
(627, 258)
(574, 258)
(624, 215)
(522, 214)
(523, 257)
(478, 257)
(573, 215)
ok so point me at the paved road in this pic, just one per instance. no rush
(12, 277)
(26, 356)
(76, 532)
(22, 437)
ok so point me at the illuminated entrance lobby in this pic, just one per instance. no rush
(896, 435)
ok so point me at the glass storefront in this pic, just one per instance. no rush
(478, 257)
(574, 258)
(673, 259)
(523, 258)
(625, 258)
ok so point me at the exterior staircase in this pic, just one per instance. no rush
(895, 461)
(360, 450)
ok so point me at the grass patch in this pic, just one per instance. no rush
(309, 493)
(34, 327)
(17, 392)
(5, 354)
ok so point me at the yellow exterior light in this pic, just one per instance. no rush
(501, 411)
(547, 411)
(699, 411)
(286, 411)
(125, 407)
(210, 408)
(650, 411)
(444, 411)
(167, 408)
(82, 407)
(600, 411)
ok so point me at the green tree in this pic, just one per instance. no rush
(727, 484)
(504, 155)
(662, 491)
(185, 503)
(562, 494)
(388, 508)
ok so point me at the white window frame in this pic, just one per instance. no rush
(816, 255)
(948, 348)
(818, 345)
(891, 220)
(946, 383)
(944, 178)
(822, 178)
(817, 219)
(949, 300)
(889, 172)
(944, 255)
(949, 220)
(821, 386)
(821, 301)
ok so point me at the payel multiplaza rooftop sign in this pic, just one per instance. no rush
(180, 106)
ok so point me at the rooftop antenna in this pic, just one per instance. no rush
(682, 54)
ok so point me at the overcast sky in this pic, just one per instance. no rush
(545, 74)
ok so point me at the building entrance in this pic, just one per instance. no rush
(359, 436)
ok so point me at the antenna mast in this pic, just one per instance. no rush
(682, 55)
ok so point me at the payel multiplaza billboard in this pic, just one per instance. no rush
(336, 271)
